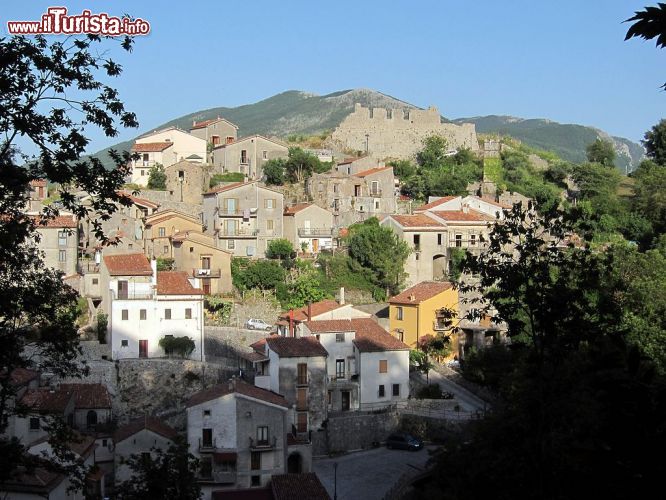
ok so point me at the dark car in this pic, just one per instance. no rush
(403, 441)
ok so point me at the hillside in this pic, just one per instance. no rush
(303, 113)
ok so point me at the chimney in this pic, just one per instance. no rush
(309, 311)
(153, 266)
(232, 383)
(412, 298)
(341, 301)
(291, 323)
(465, 209)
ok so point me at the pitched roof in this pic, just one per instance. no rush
(294, 209)
(38, 183)
(330, 326)
(151, 147)
(175, 283)
(61, 221)
(347, 161)
(370, 337)
(228, 187)
(371, 171)
(21, 376)
(255, 136)
(317, 308)
(420, 292)
(148, 423)
(416, 220)
(45, 400)
(291, 347)
(205, 123)
(167, 214)
(132, 264)
(305, 486)
(139, 201)
(38, 480)
(239, 387)
(88, 396)
(460, 216)
(436, 203)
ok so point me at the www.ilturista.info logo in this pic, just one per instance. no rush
(57, 22)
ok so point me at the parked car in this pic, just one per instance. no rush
(403, 441)
(257, 324)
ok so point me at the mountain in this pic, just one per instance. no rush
(297, 112)
(567, 140)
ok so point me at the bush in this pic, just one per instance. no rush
(226, 177)
(157, 178)
(279, 249)
(431, 391)
(102, 324)
(179, 346)
(165, 264)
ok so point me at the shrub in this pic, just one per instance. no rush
(226, 177)
(165, 264)
(178, 346)
(431, 391)
(102, 324)
(157, 178)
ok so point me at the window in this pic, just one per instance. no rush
(62, 256)
(62, 238)
(439, 238)
(105, 442)
(91, 419)
(262, 435)
(191, 249)
(143, 172)
(269, 225)
(374, 186)
(206, 467)
(243, 158)
(255, 480)
(34, 423)
(206, 413)
(377, 205)
(205, 262)
(458, 240)
(95, 281)
(472, 239)
(339, 368)
(302, 373)
(162, 231)
(417, 242)
(181, 174)
(167, 314)
(124, 343)
(165, 250)
(329, 398)
(125, 314)
(339, 337)
(188, 313)
(142, 314)
(396, 389)
(381, 393)
(207, 438)
(130, 246)
(383, 366)
(335, 188)
(399, 313)
(231, 244)
(269, 203)
(320, 187)
(264, 155)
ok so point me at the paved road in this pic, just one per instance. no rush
(369, 474)
(467, 400)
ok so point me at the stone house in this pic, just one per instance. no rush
(352, 166)
(354, 198)
(139, 437)
(368, 369)
(145, 305)
(422, 310)
(247, 155)
(215, 132)
(59, 241)
(308, 227)
(92, 405)
(289, 322)
(186, 181)
(150, 154)
(195, 253)
(239, 433)
(37, 193)
(161, 227)
(243, 217)
(41, 403)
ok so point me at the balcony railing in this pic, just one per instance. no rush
(440, 326)
(263, 444)
(309, 232)
(244, 160)
(376, 192)
(88, 266)
(132, 295)
(207, 446)
(243, 233)
(206, 273)
(248, 212)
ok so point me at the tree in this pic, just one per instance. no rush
(51, 93)
(649, 23)
(300, 165)
(433, 153)
(601, 151)
(380, 250)
(262, 274)
(279, 248)
(304, 289)
(402, 168)
(274, 171)
(655, 143)
(163, 474)
(157, 178)
(649, 198)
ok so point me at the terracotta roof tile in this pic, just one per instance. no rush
(44, 400)
(347, 161)
(175, 283)
(330, 326)
(88, 396)
(243, 494)
(316, 308)
(436, 203)
(22, 376)
(417, 220)
(132, 264)
(151, 147)
(38, 480)
(239, 387)
(298, 487)
(420, 292)
(370, 337)
(294, 209)
(38, 183)
(62, 221)
(290, 347)
(371, 171)
(148, 423)
(460, 216)
(205, 123)
(139, 201)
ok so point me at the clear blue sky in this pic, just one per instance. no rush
(564, 60)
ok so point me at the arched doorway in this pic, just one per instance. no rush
(295, 463)
(91, 419)
(439, 266)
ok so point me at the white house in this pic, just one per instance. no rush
(145, 305)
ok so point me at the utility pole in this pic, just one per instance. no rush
(367, 137)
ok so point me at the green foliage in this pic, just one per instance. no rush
(280, 248)
(492, 170)
(655, 143)
(437, 345)
(430, 391)
(157, 177)
(402, 169)
(649, 24)
(419, 361)
(433, 153)
(601, 151)
(82, 312)
(303, 289)
(218, 307)
(380, 250)
(102, 325)
(226, 177)
(650, 194)
(165, 264)
(487, 366)
(300, 165)
(261, 274)
(165, 474)
(274, 170)
(457, 256)
(340, 271)
(177, 346)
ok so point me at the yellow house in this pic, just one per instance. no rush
(196, 254)
(420, 310)
(162, 226)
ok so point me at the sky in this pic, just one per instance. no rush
(566, 61)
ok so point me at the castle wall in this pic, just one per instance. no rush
(397, 133)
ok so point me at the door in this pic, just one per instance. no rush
(346, 400)
(206, 286)
(205, 262)
(315, 246)
(302, 422)
(301, 399)
(122, 289)
(143, 348)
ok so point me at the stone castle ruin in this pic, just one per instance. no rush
(398, 133)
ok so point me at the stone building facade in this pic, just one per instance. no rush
(186, 181)
(247, 155)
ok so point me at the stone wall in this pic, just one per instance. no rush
(399, 134)
(168, 201)
(354, 431)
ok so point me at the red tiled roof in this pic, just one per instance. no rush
(259, 344)
(175, 283)
(38, 480)
(436, 203)
(371, 171)
(493, 202)
(291, 347)
(63, 221)
(370, 337)
(151, 147)
(348, 160)
(420, 292)
(88, 396)
(316, 308)
(139, 201)
(133, 264)
(417, 220)
(38, 183)
(227, 187)
(298, 487)
(294, 209)
(253, 356)
(245, 494)
(460, 216)
(22, 376)
(167, 214)
(202, 124)
(44, 400)
(239, 387)
(148, 423)
(330, 326)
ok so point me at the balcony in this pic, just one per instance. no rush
(206, 273)
(256, 445)
(207, 446)
(240, 233)
(377, 193)
(244, 160)
(133, 295)
(315, 232)
(441, 325)
(87, 266)
(245, 213)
